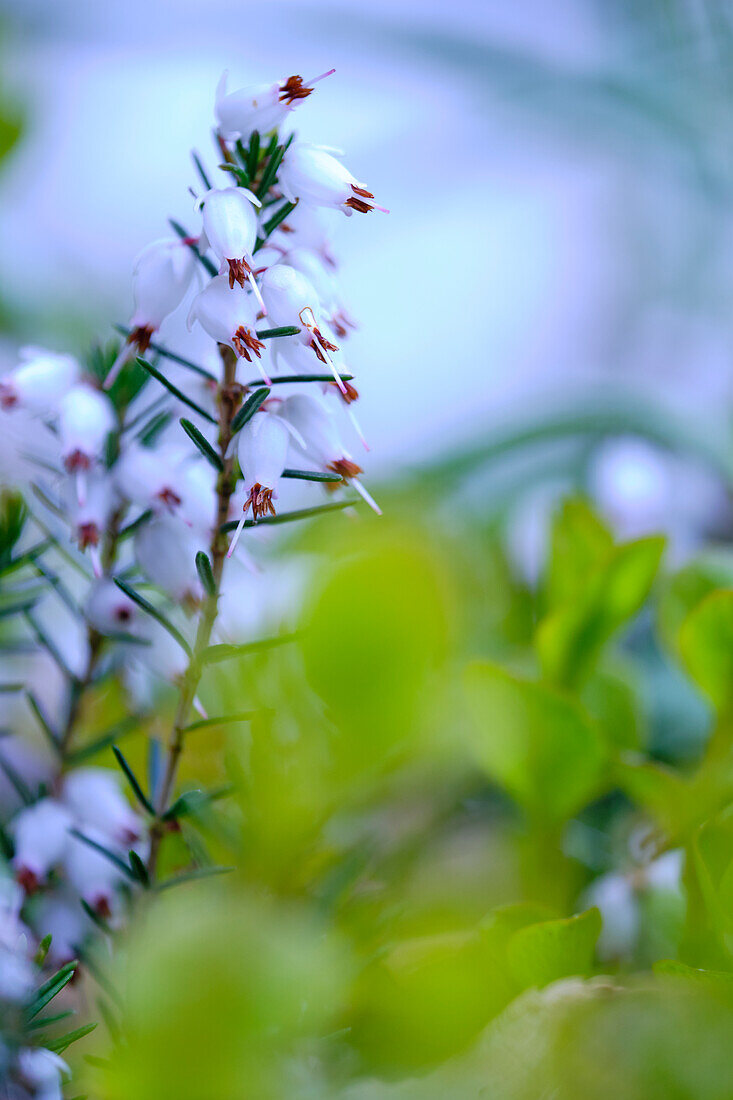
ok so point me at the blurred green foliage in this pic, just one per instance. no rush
(444, 768)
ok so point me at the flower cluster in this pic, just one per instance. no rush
(139, 463)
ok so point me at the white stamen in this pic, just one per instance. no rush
(81, 488)
(96, 560)
(310, 83)
(253, 282)
(124, 355)
(365, 495)
(311, 326)
(357, 427)
(237, 533)
(198, 706)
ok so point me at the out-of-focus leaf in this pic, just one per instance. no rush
(579, 543)
(543, 953)
(612, 703)
(680, 593)
(706, 646)
(570, 639)
(533, 740)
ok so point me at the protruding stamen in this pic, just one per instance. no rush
(237, 533)
(198, 706)
(125, 354)
(357, 426)
(367, 496)
(81, 486)
(310, 83)
(320, 345)
(255, 288)
(96, 560)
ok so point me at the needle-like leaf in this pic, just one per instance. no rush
(133, 781)
(146, 606)
(202, 443)
(206, 575)
(160, 377)
(249, 408)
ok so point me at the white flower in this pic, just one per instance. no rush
(230, 229)
(310, 173)
(321, 443)
(161, 276)
(260, 106)
(109, 610)
(91, 873)
(94, 797)
(60, 915)
(90, 517)
(39, 382)
(292, 300)
(41, 1069)
(311, 265)
(85, 419)
(151, 476)
(263, 449)
(166, 550)
(40, 833)
(304, 227)
(229, 316)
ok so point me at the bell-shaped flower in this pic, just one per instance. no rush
(304, 227)
(230, 230)
(262, 450)
(292, 300)
(151, 476)
(41, 1070)
(312, 174)
(161, 276)
(109, 610)
(229, 316)
(39, 382)
(314, 424)
(311, 265)
(165, 550)
(90, 517)
(261, 107)
(85, 420)
(40, 835)
(94, 797)
(92, 873)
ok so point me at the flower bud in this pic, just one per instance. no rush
(40, 832)
(39, 382)
(228, 315)
(258, 107)
(95, 798)
(310, 173)
(161, 276)
(109, 610)
(165, 550)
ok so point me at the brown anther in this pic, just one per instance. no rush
(320, 343)
(88, 535)
(27, 879)
(341, 323)
(238, 272)
(8, 397)
(77, 460)
(245, 341)
(141, 337)
(358, 203)
(292, 89)
(102, 907)
(348, 394)
(345, 467)
(169, 498)
(123, 614)
(261, 500)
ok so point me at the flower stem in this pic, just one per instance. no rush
(229, 400)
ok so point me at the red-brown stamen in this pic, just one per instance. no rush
(345, 467)
(77, 460)
(348, 394)
(341, 323)
(141, 337)
(319, 342)
(260, 498)
(168, 497)
(27, 879)
(358, 203)
(245, 341)
(292, 89)
(88, 535)
(238, 271)
(8, 396)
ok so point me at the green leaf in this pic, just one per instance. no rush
(226, 651)
(173, 356)
(579, 543)
(139, 869)
(40, 956)
(253, 154)
(283, 330)
(105, 740)
(533, 740)
(706, 646)
(42, 719)
(249, 408)
(290, 517)
(311, 475)
(570, 639)
(58, 1046)
(154, 613)
(133, 781)
(201, 170)
(205, 572)
(205, 262)
(202, 443)
(271, 225)
(160, 377)
(150, 431)
(50, 988)
(194, 876)
(111, 856)
(545, 952)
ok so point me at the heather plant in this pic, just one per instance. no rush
(356, 808)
